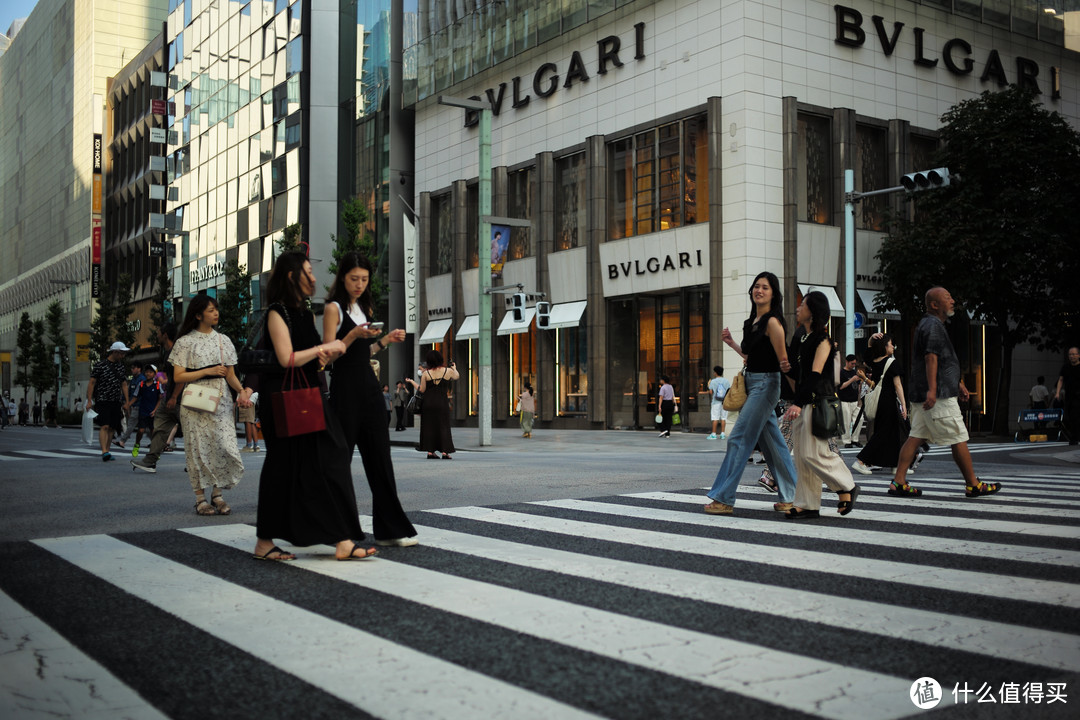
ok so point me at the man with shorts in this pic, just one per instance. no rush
(106, 392)
(246, 415)
(935, 391)
(167, 412)
(718, 388)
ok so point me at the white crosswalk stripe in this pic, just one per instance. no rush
(979, 583)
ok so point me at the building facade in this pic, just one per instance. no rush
(667, 151)
(53, 84)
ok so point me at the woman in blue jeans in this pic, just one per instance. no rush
(763, 349)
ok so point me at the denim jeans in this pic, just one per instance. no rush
(756, 425)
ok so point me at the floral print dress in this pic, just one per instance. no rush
(213, 456)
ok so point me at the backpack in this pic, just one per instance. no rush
(721, 389)
(870, 402)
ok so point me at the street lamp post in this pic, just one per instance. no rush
(483, 109)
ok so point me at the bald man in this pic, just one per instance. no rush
(935, 391)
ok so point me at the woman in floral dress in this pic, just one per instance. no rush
(203, 356)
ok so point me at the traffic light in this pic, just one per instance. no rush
(519, 307)
(926, 180)
(543, 315)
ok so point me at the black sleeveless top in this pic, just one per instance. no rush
(359, 353)
(760, 356)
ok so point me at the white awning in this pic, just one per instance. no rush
(868, 297)
(566, 315)
(435, 331)
(836, 308)
(470, 329)
(509, 327)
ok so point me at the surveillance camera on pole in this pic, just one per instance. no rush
(926, 180)
(543, 315)
(519, 307)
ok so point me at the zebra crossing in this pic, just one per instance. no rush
(629, 606)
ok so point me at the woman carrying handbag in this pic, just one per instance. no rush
(206, 407)
(815, 461)
(306, 491)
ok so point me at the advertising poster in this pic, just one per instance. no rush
(500, 241)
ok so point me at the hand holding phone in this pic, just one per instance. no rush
(375, 326)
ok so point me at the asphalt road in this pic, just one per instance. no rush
(569, 576)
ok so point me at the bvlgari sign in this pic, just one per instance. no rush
(955, 53)
(660, 261)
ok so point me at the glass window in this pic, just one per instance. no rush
(669, 180)
(522, 364)
(548, 21)
(519, 205)
(814, 169)
(472, 224)
(442, 235)
(294, 57)
(871, 171)
(570, 201)
(695, 170)
(572, 370)
(620, 198)
(443, 56)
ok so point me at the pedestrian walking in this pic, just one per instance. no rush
(665, 406)
(526, 406)
(50, 412)
(24, 413)
(891, 420)
(12, 411)
(37, 413)
(847, 391)
(718, 388)
(1040, 399)
(763, 350)
(401, 399)
(355, 397)
(106, 393)
(131, 419)
(936, 391)
(204, 356)
(1068, 385)
(815, 461)
(388, 402)
(167, 412)
(435, 435)
(246, 415)
(146, 400)
(306, 492)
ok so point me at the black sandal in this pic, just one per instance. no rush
(846, 506)
(432, 456)
(797, 514)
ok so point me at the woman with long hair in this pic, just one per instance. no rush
(203, 356)
(890, 422)
(815, 461)
(765, 355)
(355, 395)
(665, 405)
(527, 408)
(306, 492)
(435, 435)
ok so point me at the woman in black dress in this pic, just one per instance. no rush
(435, 413)
(306, 493)
(890, 423)
(355, 395)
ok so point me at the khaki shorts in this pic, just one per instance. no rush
(942, 424)
(247, 414)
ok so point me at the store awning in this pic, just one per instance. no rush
(836, 309)
(470, 329)
(509, 327)
(435, 331)
(566, 315)
(868, 297)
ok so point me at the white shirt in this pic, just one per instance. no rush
(355, 313)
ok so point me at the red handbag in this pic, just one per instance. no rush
(297, 410)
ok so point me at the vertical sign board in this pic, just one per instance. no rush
(95, 222)
(412, 291)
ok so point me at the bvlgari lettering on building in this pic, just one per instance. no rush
(955, 52)
(546, 80)
(653, 265)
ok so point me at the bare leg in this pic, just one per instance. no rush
(714, 424)
(962, 457)
(105, 438)
(907, 455)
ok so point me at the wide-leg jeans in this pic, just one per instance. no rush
(756, 425)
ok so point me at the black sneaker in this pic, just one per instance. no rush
(138, 464)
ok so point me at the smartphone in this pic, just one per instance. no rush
(375, 326)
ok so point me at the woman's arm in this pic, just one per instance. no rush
(900, 395)
(184, 375)
(451, 372)
(391, 337)
(283, 348)
(730, 342)
(775, 332)
(423, 383)
(804, 393)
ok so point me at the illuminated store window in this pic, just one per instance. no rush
(442, 235)
(814, 166)
(570, 201)
(519, 206)
(871, 173)
(522, 364)
(572, 370)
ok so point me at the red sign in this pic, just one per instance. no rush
(95, 243)
(157, 107)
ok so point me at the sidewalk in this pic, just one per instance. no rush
(626, 442)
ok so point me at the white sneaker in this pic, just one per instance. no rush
(723, 436)
(858, 467)
(712, 436)
(246, 448)
(399, 542)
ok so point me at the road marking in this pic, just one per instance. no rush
(311, 647)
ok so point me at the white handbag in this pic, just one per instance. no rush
(203, 398)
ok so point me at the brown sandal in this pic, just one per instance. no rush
(202, 507)
(219, 503)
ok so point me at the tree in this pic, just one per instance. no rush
(101, 329)
(42, 370)
(162, 294)
(354, 217)
(125, 331)
(25, 344)
(234, 304)
(998, 236)
(54, 325)
(291, 239)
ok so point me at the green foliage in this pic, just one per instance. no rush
(101, 329)
(162, 294)
(42, 370)
(234, 304)
(290, 239)
(54, 325)
(125, 330)
(354, 217)
(25, 344)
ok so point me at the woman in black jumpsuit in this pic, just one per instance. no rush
(356, 396)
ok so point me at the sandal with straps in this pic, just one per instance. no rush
(904, 490)
(983, 488)
(202, 507)
(219, 503)
(846, 506)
